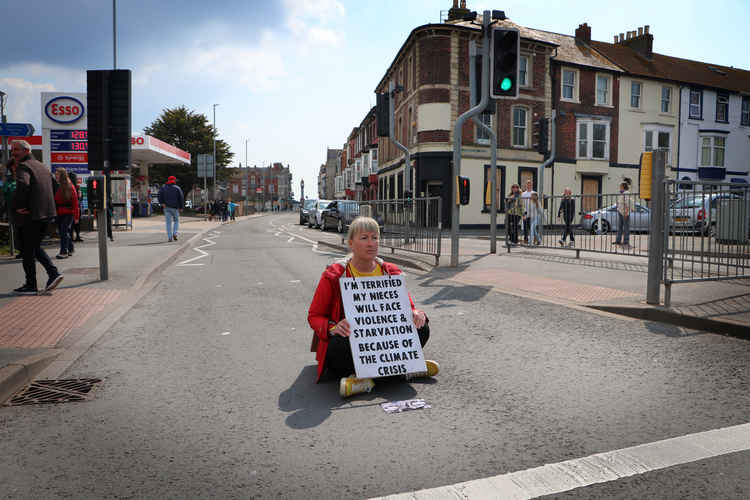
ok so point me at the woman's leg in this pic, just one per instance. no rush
(339, 362)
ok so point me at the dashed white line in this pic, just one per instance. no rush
(594, 469)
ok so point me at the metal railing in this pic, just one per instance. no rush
(589, 223)
(707, 232)
(412, 225)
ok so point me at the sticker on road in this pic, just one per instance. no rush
(405, 405)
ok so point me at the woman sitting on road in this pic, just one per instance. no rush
(326, 315)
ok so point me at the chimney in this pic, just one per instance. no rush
(641, 41)
(583, 34)
(457, 13)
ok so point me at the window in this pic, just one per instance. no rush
(696, 104)
(603, 84)
(593, 139)
(569, 83)
(635, 94)
(712, 151)
(666, 99)
(483, 137)
(658, 139)
(745, 116)
(722, 107)
(520, 116)
(523, 69)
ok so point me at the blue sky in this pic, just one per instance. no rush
(294, 76)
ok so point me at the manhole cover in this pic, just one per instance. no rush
(55, 391)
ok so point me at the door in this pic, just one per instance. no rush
(590, 187)
(432, 217)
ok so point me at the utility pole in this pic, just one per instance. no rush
(214, 167)
(114, 34)
(457, 134)
(3, 98)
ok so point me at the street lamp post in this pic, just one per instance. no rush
(215, 151)
(247, 179)
(3, 96)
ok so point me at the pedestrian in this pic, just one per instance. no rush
(624, 207)
(66, 202)
(326, 315)
(567, 212)
(232, 206)
(172, 199)
(9, 187)
(223, 211)
(75, 230)
(525, 197)
(34, 207)
(535, 215)
(514, 210)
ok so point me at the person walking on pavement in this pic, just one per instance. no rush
(567, 211)
(514, 210)
(66, 201)
(34, 206)
(172, 199)
(331, 330)
(624, 207)
(525, 197)
(75, 229)
(535, 216)
(9, 187)
(232, 206)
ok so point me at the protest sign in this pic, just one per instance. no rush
(384, 340)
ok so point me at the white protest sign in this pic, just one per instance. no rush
(384, 340)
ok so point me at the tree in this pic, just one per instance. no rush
(193, 133)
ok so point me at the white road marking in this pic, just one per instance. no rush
(600, 468)
(290, 239)
(294, 281)
(209, 243)
(225, 333)
(259, 283)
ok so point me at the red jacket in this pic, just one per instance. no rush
(327, 308)
(69, 207)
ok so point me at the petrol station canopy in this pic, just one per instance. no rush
(147, 150)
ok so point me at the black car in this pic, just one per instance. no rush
(304, 209)
(339, 214)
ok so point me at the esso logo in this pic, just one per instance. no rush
(64, 109)
(136, 141)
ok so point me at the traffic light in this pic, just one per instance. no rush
(96, 187)
(462, 192)
(505, 49)
(542, 146)
(383, 114)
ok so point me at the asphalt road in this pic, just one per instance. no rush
(209, 392)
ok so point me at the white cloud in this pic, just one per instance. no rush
(321, 10)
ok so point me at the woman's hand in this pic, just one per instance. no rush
(420, 318)
(341, 329)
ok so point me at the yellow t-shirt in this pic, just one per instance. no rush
(378, 271)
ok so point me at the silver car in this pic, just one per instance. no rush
(640, 219)
(314, 217)
(698, 212)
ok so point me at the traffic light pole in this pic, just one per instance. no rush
(553, 139)
(493, 146)
(392, 133)
(457, 133)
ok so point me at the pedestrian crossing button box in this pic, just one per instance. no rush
(96, 191)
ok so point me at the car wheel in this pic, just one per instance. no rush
(323, 224)
(605, 227)
(309, 224)
(340, 226)
(710, 231)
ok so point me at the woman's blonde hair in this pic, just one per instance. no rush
(65, 185)
(362, 225)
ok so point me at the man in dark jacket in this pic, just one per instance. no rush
(568, 212)
(34, 208)
(172, 199)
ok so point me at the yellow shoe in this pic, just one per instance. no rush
(433, 368)
(349, 386)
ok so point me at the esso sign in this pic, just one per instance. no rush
(64, 109)
(136, 141)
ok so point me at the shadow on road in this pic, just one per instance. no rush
(311, 404)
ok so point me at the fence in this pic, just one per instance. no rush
(411, 225)
(590, 223)
(707, 232)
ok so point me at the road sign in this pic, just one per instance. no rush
(205, 164)
(17, 129)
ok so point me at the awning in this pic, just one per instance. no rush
(146, 149)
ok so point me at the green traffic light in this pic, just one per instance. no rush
(505, 84)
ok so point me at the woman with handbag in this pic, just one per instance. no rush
(326, 315)
(66, 200)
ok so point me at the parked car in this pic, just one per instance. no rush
(697, 212)
(339, 214)
(304, 209)
(314, 217)
(640, 219)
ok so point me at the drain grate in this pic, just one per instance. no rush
(55, 391)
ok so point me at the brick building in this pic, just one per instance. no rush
(266, 187)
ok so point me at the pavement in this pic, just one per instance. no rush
(613, 283)
(42, 335)
(45, 333)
